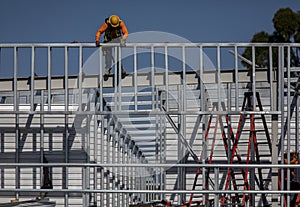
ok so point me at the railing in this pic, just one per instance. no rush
(154, 121)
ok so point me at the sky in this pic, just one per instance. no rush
(63, 21)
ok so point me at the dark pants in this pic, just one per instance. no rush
(293, 186)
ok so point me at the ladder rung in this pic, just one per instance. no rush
(212, 127)
(256, 130)
(255, 117)
(262, 142)
(266, 155)
(260, 130)
(197, 196)
(246, 142)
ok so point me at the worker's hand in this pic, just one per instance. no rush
(97, 44)
(123, 43)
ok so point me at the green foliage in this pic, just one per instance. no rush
(260, 52)
(287, 29)
(286, 23)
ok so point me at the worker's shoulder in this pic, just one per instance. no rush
(122, 23)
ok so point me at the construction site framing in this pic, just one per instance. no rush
(189, 124)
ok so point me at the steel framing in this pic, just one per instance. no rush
(145, 143)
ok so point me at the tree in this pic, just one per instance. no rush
(260, 53)
(287, 29)
(286, 23)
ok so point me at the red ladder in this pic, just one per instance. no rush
(219, 122)
(252, 148)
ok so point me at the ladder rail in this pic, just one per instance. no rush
(252, 145)
(218, 122)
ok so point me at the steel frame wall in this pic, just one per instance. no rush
(114, 164)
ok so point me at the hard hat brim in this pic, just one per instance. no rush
(114, 25)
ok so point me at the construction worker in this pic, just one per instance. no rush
(115, 32)
(294, 185)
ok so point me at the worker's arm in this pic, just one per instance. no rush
(124, 30)
(100, 31)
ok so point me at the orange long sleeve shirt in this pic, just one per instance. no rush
(105, 26)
